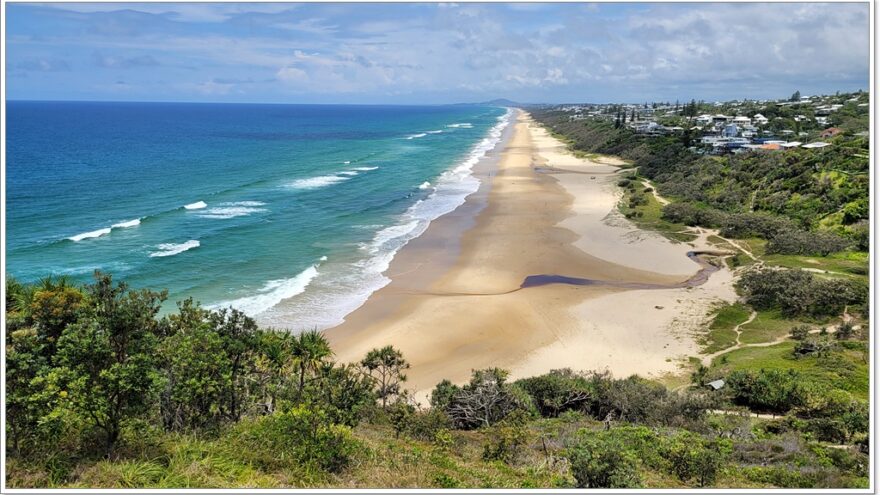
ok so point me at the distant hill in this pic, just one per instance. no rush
(502, 102)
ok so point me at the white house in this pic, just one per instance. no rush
(760, 119)
(742, 120)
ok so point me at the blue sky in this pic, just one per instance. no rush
(433, 53)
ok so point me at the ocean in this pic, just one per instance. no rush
(235, 204)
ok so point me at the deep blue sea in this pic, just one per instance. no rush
(235, 205)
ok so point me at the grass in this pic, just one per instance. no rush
(721, 334)
(844, 264)
(767, 327)
(845, 368)
(648, 216)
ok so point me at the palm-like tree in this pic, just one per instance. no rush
(309, 350)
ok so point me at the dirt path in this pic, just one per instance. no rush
(660, 199)
(707, 360)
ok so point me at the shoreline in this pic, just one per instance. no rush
(539, 210)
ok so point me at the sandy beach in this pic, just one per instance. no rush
(454, 302)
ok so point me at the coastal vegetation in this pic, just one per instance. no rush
(103, 391)
(802, 201)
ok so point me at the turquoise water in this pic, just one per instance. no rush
(235, 205)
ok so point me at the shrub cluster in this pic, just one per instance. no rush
(800, 293)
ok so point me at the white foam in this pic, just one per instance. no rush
(350, 173)
(196, 206)
(172, 249)
(343, 286)
(90, 235)
(416, 136)
(346, 162)
(316, 182)
(464, 125)
(434, 132)
(126, 224)
(231, 210)
(365, 169)
(425, 185)
(272, 293)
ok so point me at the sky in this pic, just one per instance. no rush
(433, 53)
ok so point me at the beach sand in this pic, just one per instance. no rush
(454, 304)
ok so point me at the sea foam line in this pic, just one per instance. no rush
(342, 287)
(198, 205)
(102, 232)
(231, 210)
(273, 292)
(172, 249)
(328, 180)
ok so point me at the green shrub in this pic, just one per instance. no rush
(691, 457)
(602, 461)
(507, 438)
(299, 436)
(767, 390)
(557, 392)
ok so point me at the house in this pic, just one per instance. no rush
(742, 121)
(760, 119)
(730, 130)
(703, 119)
(831, 132)
(716, 384)
(817, 144)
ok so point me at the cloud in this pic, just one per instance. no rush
(113, 62)
(454, 52)
(43, 65)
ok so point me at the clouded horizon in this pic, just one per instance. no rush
(433, 53)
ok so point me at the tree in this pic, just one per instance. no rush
(238, 334)
(25, 361)
(799, 332)
(796, 96)
(557, 391)
(309, 350)
(109, 356)
(344, 392)
(198, 379)
(386, 366)
(485, 400)
(54, 305)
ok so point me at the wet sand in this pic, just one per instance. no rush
(453, 304)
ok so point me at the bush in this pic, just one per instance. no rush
(743, 225)
(692, 457)
(507, 438)
(767, 390)
(484, 401)
(299, 436)
(804, 243)
(600, 460)
(797, 292)
(557, 392)
(799, 332)
(689, 214)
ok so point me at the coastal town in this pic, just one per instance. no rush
(737, 126)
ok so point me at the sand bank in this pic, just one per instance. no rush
(453, 304)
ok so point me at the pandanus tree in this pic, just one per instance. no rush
(386, 367)
(309, 350)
